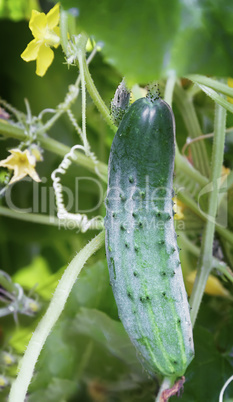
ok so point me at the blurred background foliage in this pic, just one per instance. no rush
(88, 356)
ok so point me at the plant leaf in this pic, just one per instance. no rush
(147, 41)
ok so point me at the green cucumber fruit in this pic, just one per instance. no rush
(141, 245)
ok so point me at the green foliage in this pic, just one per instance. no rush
(18, 9)
(88, 355)
(150, 40)
(95, 347)
(211, 357)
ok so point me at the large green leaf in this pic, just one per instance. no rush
(199, 386)
(147, 40)
(110, 334)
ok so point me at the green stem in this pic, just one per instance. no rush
(217, 98)
(190, 203)
(20, 385)
(205, 261)
(181, 163)
(187, 110)
(36, 218)
(46, 127)
(55, 147)
(64, 30)
(214, 84)
(94, 94)
(192, 248)
(169, 89)
(81, 58)
(69, 99)
(166, 384)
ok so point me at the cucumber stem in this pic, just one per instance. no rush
(217, 264)
(188, 113)
(166, 384)
(206, 256)
(94, 94)
(20, 385)
(213, 84)
(169, 89)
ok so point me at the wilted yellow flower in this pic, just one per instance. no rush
(23, 163)
(46, 33)
(178, 208)
(213, 285)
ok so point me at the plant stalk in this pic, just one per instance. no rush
(20, 385)
(55, 147)
(206, 256)
(94, 94)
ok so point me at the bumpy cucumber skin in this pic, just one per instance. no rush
(141, 246)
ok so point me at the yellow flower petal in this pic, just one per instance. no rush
(178, 208)
(46, 33)
(57, 32)
(225, 171)
(23, 164)
(19, 174)
(37, 24)
(53, 16)
(36, 151)
(31, 51)
(12, 159)
(213, 285)
(34, 13)
(230, 84)
(44, 60)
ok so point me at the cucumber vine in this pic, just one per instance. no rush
(199, 173)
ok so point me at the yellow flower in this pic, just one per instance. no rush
(46, 33)
(213, 285)
(23, 164)
(178, 208)
(225, 171)
(230, 84)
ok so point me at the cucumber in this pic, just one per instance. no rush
(141, 246)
